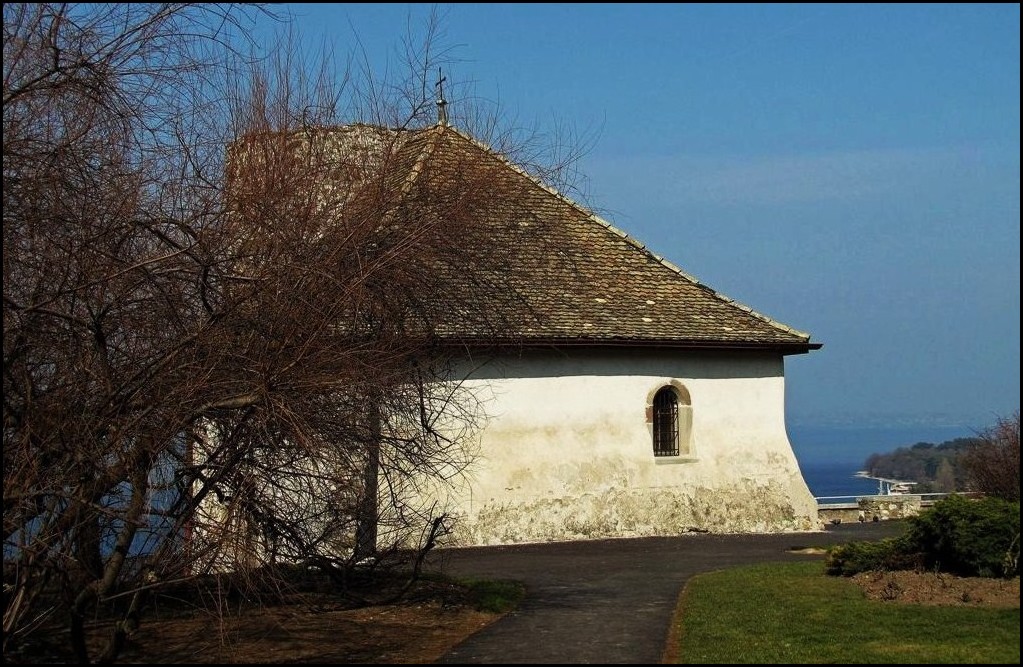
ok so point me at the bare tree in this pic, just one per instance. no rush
(223, 358)
(992, 462)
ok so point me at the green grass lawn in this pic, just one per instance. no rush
(794, 613)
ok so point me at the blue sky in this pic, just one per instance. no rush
(850, 170)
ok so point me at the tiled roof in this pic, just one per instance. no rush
(569, 277)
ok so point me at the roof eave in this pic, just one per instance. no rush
(783, 347)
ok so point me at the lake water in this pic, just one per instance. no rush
(829, 479)
(829, 456)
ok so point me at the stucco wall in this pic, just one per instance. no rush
(566, 452)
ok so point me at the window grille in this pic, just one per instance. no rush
(665, 417)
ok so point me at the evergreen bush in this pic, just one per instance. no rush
(970, 538)
(967, 537)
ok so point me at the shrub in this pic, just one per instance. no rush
(967, 537)
(855, 557)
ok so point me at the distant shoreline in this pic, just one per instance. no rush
(851, 445)
(830, 456)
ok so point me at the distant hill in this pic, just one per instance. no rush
(934, 468)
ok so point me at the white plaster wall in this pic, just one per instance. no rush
(567, 451)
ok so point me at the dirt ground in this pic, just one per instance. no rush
(317, 627)
(305, 625)
(396, 634)
(939, 589)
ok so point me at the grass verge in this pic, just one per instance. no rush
(793, 613)
(496, 597)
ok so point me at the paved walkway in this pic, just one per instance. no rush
(610, 601)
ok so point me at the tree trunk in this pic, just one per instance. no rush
(366, 530)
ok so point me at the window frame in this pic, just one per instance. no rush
(681, 423)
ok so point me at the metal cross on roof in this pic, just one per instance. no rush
(442, 104)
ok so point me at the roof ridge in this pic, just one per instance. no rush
(622, 234)
(433, 137)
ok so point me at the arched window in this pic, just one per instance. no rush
(672, 417)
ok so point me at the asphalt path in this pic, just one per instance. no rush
(611, 601)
